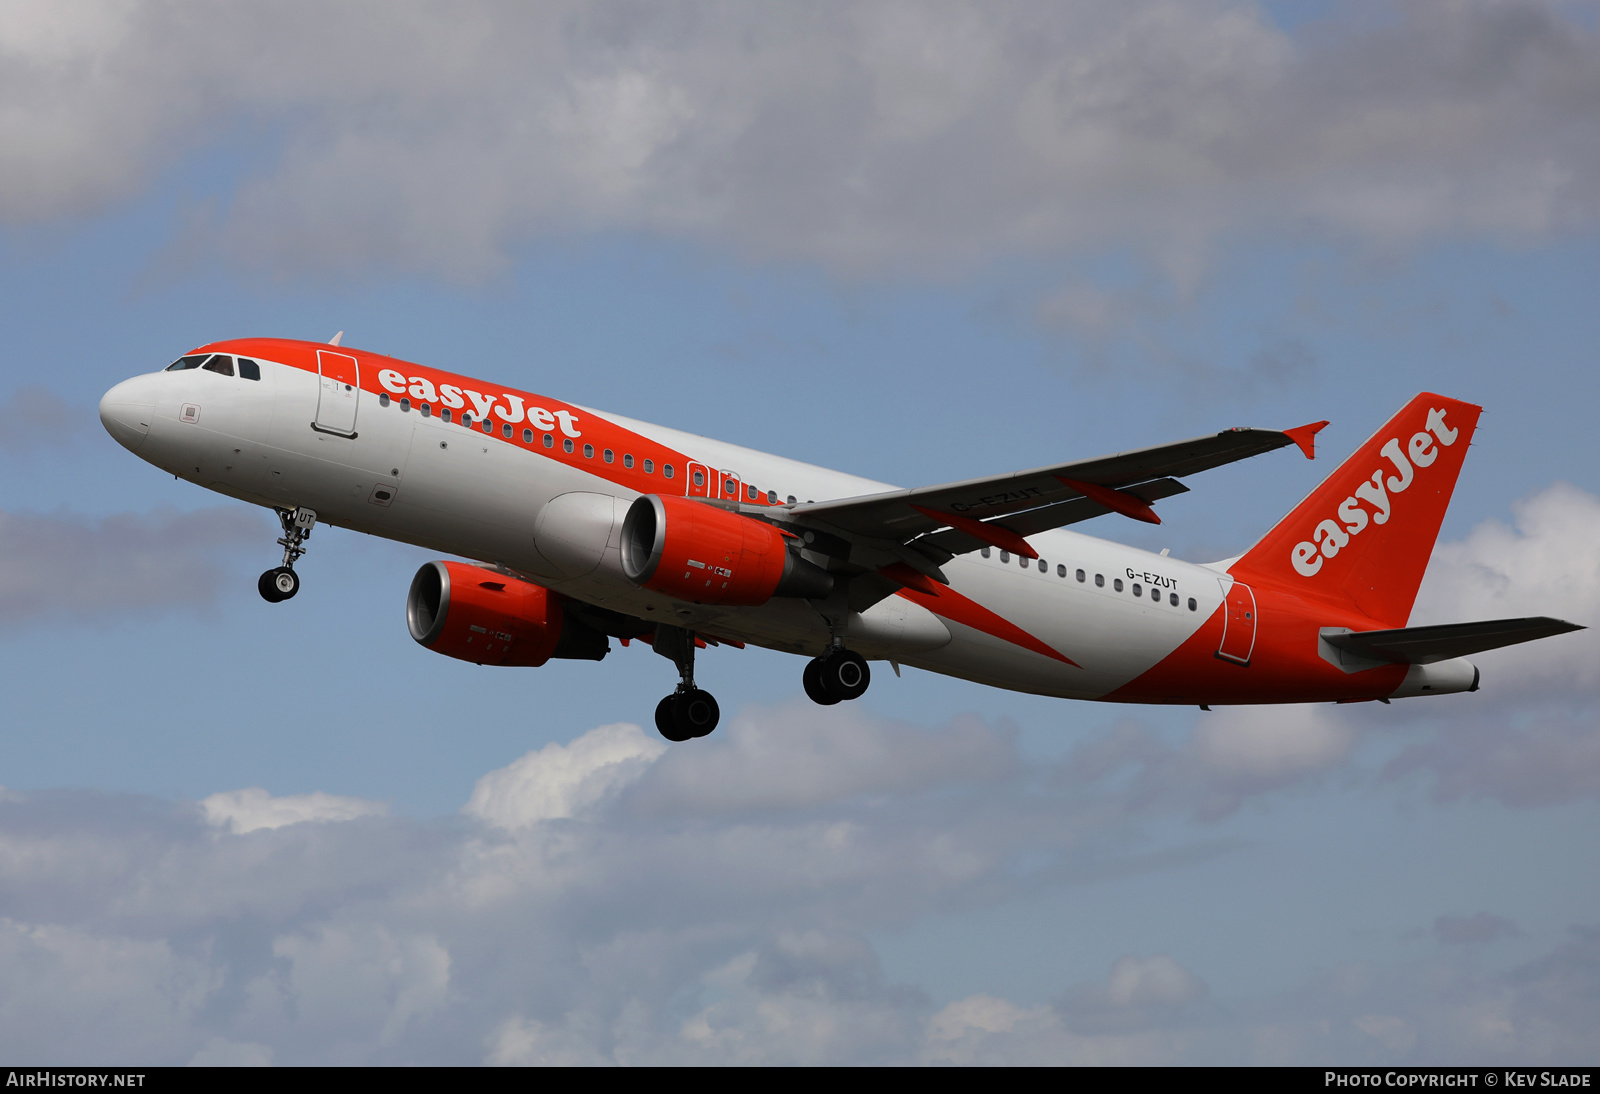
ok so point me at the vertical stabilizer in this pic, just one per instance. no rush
(1365, 535)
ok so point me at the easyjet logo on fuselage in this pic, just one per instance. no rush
(1331, 536)
(422, 389)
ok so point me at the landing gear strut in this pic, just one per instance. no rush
(688, 711)
(283, 582)
(836, 676)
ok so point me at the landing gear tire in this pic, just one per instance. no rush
(278, 585)
(684, 715)
(811, 680)
(665, 721)
(842, 675)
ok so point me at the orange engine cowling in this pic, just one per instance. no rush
(697, 552)
(478, 615)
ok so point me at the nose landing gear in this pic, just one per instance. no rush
(281, 583)
(688, 712)
(837, 676)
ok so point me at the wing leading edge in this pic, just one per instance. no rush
(1022, 503)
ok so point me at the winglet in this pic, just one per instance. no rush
(1118, 501)
(992, 534)
(334, 341)
(1306, 437)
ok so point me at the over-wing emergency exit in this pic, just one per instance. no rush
(584, 526)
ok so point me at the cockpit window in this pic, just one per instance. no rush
(249, 369)
(194, 360)
(220, 363)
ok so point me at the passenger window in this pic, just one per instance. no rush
(527, 436)
(466, 419)
(427, 410)
(405, 404)
(984, 552)
(248, 369)
(1023, 562)
(444, 415)
(1061, 571)
(1172, 599)
(649, 467)
(588, 451)
(549, 441)
(488, 426)
(791, 499)
(730, 489)
(1100, 580)
(627, 459)
(610, 456)
(505, 430)
(1192, 604)
(699, 479)
(1081, 575)
(220, 363)
(566, 445)
(666, 470)
(383, 399)
(1137, 589)
(772, 497)
(1116, 583)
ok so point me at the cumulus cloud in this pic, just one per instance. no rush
(1531, 737)
(254, 809)
(588, 911)
(559, 780)
(57, 563)
(863, 136)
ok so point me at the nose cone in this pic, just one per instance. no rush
(126, 411)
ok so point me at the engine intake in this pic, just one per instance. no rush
(692, 551)
(473, 614)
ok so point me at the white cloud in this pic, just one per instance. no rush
(647, 926)
(254, 809)
(1544, 563)
(884, 135)
(560, 780)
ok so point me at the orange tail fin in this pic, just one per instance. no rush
(1365, 535)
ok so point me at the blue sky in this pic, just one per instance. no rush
(917, 243)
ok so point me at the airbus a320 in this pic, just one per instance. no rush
(584, 526)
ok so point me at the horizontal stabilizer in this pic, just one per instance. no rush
(1425, 645)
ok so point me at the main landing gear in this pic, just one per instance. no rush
(688, 712)
(282, 583)
(836, 676)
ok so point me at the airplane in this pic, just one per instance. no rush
(583, 526)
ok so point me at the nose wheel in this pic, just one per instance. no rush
(837, 676)
(281, 583)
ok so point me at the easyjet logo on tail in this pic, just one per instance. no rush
(1331, 536)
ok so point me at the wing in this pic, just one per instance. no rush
(958, 517)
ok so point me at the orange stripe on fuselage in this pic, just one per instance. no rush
(593, 429)
(960, 609)
(1284, 667)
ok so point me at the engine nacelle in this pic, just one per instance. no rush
(704, 554)
(478, 615)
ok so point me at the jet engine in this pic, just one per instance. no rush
(704, 554)
(478, 615)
